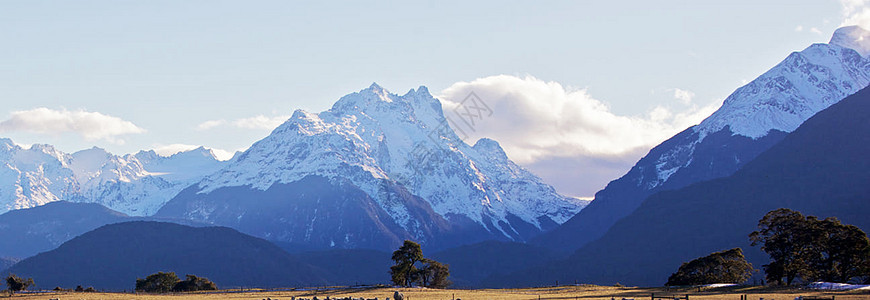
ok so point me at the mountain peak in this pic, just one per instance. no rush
(490, 146)
(375, 87)
(200, 151)
(420, 91)
(852, 37)
(379, 92)
(7, 144)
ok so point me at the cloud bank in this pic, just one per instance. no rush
(89, 125)
(856, 12)
(558, 131)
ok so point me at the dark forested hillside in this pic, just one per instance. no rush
(113, 256)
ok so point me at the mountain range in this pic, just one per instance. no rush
(134, 184)
(374, 170)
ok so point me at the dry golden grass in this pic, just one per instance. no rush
(563, 292)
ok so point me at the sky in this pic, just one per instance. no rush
(580, 91)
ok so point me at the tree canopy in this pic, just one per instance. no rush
(810, 249)
(729, 266)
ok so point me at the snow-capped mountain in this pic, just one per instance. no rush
(137, 184)
(408, 169)
(751, 120)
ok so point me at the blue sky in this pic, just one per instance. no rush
(132, 75)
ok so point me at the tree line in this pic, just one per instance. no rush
(160, 282)
(800, 247)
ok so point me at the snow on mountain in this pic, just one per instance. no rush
(782, 98)
(803, 84)
(374, 136)
(134, 184)
(751, 120)
(32, 177)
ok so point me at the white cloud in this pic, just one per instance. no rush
(168, 150)
(259, 122)
(210, 124)
(799, 28)
(816, 31)
(856, 12)
(685, 96)
(541, 124)
(89, 125)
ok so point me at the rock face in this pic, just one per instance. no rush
(375, 169)
(750, 121)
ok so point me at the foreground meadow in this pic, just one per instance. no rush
(562, 292)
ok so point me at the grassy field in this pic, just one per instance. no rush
(563, 292)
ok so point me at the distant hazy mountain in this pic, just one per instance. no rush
(137, 184)
(26, 232)
(113, 256)
(820, 169)
(375, 169)
(751, 120)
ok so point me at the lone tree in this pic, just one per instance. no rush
(729, 266)
(193, 283)
(406, 272)
(811, 249)
(160, 282)
(17, 284)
